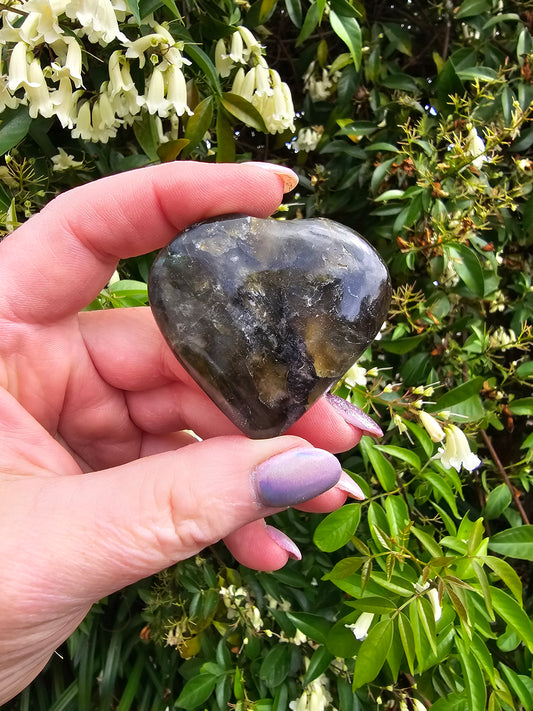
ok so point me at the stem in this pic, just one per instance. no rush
(504, 476)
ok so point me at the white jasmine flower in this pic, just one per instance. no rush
(355, 376)
(456, 452)
(431, 426)
(223, 62)
(475, 147)
(39, 99)
(362, 625)
(64, 161)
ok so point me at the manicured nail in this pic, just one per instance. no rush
(355, 416)
(348, 485)
(295, 476)
(284, 542)
(288, 176)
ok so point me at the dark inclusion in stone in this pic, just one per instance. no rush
(267, 315)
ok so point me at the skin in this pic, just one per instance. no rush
(98, 486)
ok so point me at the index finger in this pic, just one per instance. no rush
(59, 260)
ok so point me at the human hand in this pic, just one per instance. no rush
(100, 487)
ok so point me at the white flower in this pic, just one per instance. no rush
(400, 424)
(42, 24)
(361, 626)
(431, 426)
(475, 147)
(97, 20)
(18, 67)
(355, 376)
(223, 62)
(237, 47)
(253, 47)
(320, 87)
(65, 102)
(307, 141)
(7, 100)
(433, 597)
(177, 90)
(136, 49)
(154, 98)
(456, 452)
(64, 161)
(315, 697)
(39, 99)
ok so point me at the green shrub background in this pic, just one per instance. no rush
(412, 125)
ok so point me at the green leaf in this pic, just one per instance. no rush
(522, 406)
(294, 11)
(276, 665)
(244, 111)
(14, 126)
(313, 626)
(498, 500)
(318, 664)
(457, 395)
(372, 654)
(518, 686)
(514, 542)
(428, 542)
(510, 611)
(349, 31)
(427, 618)
(506, 573)
(408, 641)
(200, 58)
(309, 24)
(337, 528)
(373, 603)
(198, 124)
(406, 455)
(145, 131)
(133, 6)
(470, 8)
(402, 345)
(477, 72)
(485, 587)
(384, 470)
(467, 266)
(476, 689)
(442, 487)
(196, 691)
(225, 139)
(397, 515)
(525, 370)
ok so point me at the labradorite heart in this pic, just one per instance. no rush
(266, 315)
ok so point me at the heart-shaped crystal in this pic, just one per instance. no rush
(266, 315)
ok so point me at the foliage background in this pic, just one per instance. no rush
(412, 125)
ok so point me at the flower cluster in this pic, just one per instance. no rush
(254, 80)
(49, 69)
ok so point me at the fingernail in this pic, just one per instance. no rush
(355, 416)
(284, 542)
(295, 476)
(348, 485)
(288, 176)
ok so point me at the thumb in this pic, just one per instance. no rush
(94, 533)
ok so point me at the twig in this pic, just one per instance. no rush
(504, 476)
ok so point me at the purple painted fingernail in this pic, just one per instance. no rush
(348, 485)
(355, 416)
(295, 476)
(284, 542)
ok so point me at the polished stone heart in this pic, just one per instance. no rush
(266, 315)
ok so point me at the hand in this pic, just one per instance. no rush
(99, 486)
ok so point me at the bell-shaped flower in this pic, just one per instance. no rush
(41, 24)
(237, 47)
(18, 67)
(7, 100)
(65, 102)
(431, 426)
(137, 48)
(177, 90)
(223, 62)
(253, 47)
(475, 147)
(154, 98)
(361, 626)
(456, 452)
(72, 62)
(119, 74)
(308, 140)
(97, 20)
(39, 98)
